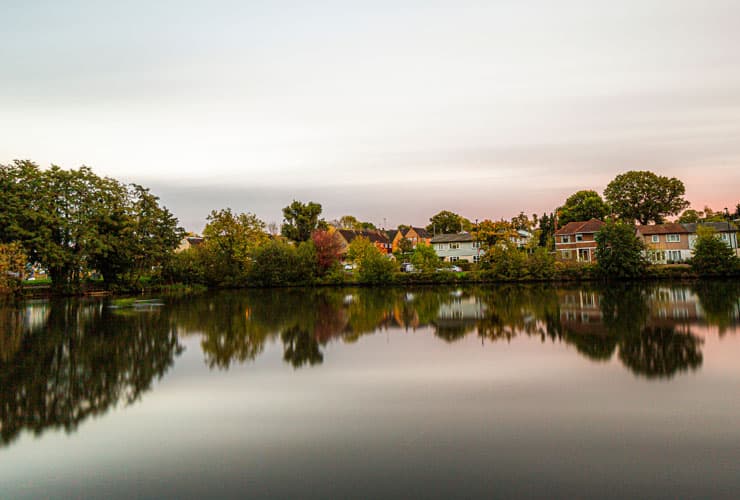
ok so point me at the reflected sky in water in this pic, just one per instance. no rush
(507, 391)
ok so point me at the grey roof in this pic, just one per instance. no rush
(722, 227)
(453, 238)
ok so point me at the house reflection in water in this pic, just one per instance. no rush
(458, 315)
(580, 311)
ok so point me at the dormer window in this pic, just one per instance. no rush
(579, 237)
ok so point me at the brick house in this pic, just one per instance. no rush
(665, 243)
(415, 235)
(576, 241)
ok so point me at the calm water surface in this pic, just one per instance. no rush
(512, 391)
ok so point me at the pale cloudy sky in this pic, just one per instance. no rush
(384, 109)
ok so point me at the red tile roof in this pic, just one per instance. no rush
(670, 228)
(589, 226)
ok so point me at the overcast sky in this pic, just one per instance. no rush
(383, 109)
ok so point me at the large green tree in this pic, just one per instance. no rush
(301, 219)
(230, 242)
(448, 222)
(645, 197)
(581, 206)
(619, 252)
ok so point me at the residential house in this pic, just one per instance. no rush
(673, 243)
(189, 242)
(665, 243)
(377, 238)
(415, 235)
(726, 231)
(418, 235)
(457, 246)
(395, 236)
(522, 238)
(576, 241)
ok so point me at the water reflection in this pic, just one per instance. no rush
(63, 361)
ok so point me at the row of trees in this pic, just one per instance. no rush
(73, 222)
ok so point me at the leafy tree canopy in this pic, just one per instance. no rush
(301, 219)
(581, 206)
(645, 197)
(446, 222)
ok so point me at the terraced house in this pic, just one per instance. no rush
(674, 243)
(665, 243)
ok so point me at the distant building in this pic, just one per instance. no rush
(457, 246)
(415, 235)
(378, 238)
(189, 242)
(576, 241)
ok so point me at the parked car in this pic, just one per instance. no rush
(452, 269)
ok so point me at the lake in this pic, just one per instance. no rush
(493, 392)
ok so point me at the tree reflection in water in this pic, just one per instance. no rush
(82, 359)
(62, 361)
(648, 326)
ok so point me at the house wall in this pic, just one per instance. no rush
(571, 250)
(467, 250)
(412, 235)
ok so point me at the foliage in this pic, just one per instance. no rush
(405, 245)
(375, 268)
(547, 231)
(277, 263)
(359, 248)
(12, 266)
(645, 197)
(446, 222)
(490, 233)
(712, 256)
(301, 219)
(327, 248)
(522, 221)
(581, 206)
(230, 241)
(506, 262)
(707, 215)
(424, 258)
(352, 222)
(73, 222)
(619, 252)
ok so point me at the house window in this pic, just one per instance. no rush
(566, 254)
(673, 238)
(476, 258)
(454, 258)
(656, 238)
(565, 239)
(674, 255)
(579, 237)
(454, 246)
(584, 254)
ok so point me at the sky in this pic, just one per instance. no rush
(387, 110)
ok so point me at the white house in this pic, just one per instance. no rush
(457, 246)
